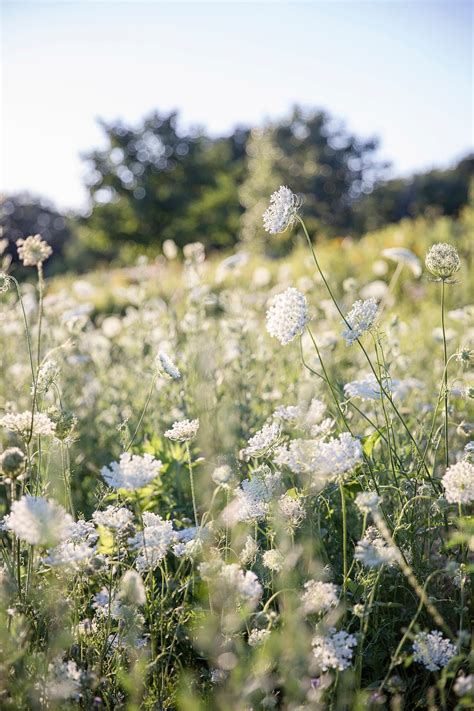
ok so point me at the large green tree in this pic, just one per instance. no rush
(155, 182)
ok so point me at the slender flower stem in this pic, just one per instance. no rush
(344, 537)
(145, 407)
(191, 481)
(445, 349)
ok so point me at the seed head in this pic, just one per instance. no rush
(33, 250)
(442, 260)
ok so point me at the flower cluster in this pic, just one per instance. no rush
(282, 211)
(166, 366)
(360, 319)
(132, 471)
(33, 250)
(432, 650)
(287, 315)
(442, 260)
(319, 597)
(183, 430)
(372, 551)
(24, 422)
(458, 483)
(263, 441)
(38, 521)
(334, 650)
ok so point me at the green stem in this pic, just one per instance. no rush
(445, 349)
(191, 481)
(145, 407)
(344, 538)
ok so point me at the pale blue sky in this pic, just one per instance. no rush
(401, 70)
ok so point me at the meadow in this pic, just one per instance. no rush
(239, 482)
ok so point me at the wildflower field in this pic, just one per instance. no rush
(241, 483)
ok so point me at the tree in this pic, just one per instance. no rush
(156, 182)
(323, 163)
(23, 214)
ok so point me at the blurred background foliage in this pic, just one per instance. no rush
(156, 182)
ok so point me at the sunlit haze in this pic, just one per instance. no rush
(400, 71)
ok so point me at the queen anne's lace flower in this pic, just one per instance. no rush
(232, 582)
(401, 255)
(132, 472)
(47, 375)
(334, 651)
(287, 315)
(360, 319)
(70, 555)
(257, 637)
(263, 441)
(432, 650)
(273, 560)
(464, 685)
(38, 521)
(249, 551)
(253, 497)
(282, 211)
(153, 542)
(367, 501)
(20, 422)
(33, 250)
(183, 431)
(442, 260)
(222, 475)
(292, 511)
(458, 483)
(372, 551)
(116, 518)
(132, 589)
(336, 458)
(64, 681)
(318, 597)
(165, 365)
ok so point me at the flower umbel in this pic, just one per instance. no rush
(442, 260)
(282, 211)
(33, 250)
(360, 319)
(432, 650)
(287, 315)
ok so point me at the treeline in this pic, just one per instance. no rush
(158, 182)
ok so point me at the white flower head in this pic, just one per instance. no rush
(432, 650)
(319, 597)
(132, 472)
(464, 685)
(183, 430)
(47, 375)
(282, 211)
(360, 319)
(249, 551)
(253, 497)
(222, 475)
(153, 542)
(166, 366)
(264, 441)
(33, 250)
(287, 315)
(367, 501)
(132, 589)
(458, 483)
(335, 650)
(336, 458)
(117, 518)
(38, 521)
(372, 551)
(442, 260)
(258, 637)
(21, 422)
(401, 255)
(273, 560)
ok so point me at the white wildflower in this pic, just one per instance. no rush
(249, 551)
(292, 510)
(132, 472)
(117, 518)
(257, 637)
(432, 650)
(282, 211)
(263, 441)
(336, 458)
(64, 681)
(33, 250)
(70, 555)
(153, 542)
(38, 521)
(232, 581)
(367, 501)
(464, 685)
(47, 375)
(298, 455)
(183, 430)
(287, 413)
(132, 588)
(222, 475)
(360, 319)
(319, 597)
(442, 260)
(458, 483)
(334, 650)
(401, 255)
(166, 366)
(253, 497)
(20, 422)
(372, 551)
(273, 560)
(287, 315)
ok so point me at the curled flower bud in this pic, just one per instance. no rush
(442, 260)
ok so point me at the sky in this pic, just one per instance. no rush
(399, 70)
